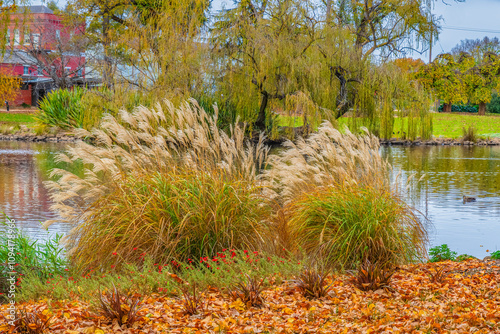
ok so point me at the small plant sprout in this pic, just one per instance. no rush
(312, 283)
(32, 322)
(441, 253)
(372, 276)
(249, 291)
(495, 255)
(116, 305)
(192, 299)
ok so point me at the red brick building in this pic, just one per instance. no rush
(41, 49)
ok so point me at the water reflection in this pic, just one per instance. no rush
(23, 197)
(451, 173)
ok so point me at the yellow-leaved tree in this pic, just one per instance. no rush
(9, 85)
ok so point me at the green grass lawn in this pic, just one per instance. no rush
(451, 125)
(12, 119)
(445, 125)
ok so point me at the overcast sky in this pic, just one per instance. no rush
(482, 16)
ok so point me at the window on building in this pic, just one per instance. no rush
(27, 39)
(36, 40)
(58, 34)
(16, 36)
(80, 72)
(26, 70)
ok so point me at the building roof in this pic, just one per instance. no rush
(39, 9)
(18, 57)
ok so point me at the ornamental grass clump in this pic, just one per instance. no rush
(115, 305)
(349, 223)
(339, 204)
(32, 322)
(162, 181)
(62, 108)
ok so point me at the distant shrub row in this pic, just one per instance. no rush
(492, 107)
(461, 108)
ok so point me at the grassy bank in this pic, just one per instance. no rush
(445, 125)
(448, 125)
(451, 125)
(16, 120)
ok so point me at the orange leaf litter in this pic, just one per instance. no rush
(467, 301)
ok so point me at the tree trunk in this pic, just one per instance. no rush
(260, 123)
(343, 103)
(482, 108)
(447, 107)
(106, 73)
(328, 11)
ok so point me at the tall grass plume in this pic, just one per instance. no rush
(164, 181)
(339, 204)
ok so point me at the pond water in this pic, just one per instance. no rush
(451, 172)
(24, 167)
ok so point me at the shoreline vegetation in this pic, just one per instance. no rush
(450, 129)
(30, 137)
(201, 229)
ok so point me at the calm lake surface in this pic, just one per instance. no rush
(23, 197)
(451, 172)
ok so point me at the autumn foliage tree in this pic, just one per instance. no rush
(482, 79)
(462, 79)
(9, 85)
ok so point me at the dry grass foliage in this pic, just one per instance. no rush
(168, 183)
(437, 274)
(192, 299)
(249, 291)
(327, 157)
(338, 204)
(312, 283)
(372, 276)
(155, 176)
(120, 307)
(32, 322)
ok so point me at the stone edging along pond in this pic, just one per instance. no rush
(440, 141)
(30, 137)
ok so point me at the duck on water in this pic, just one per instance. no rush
(468, 199)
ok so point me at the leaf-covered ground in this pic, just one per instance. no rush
(466, 301)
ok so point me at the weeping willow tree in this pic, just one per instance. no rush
(275, 63)
(371, 33)
(261, 49)
(332, 56)
(162, 45)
